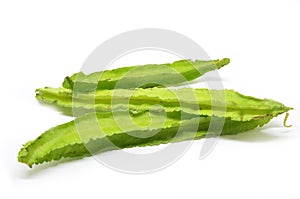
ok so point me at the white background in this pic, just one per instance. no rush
(40, 43)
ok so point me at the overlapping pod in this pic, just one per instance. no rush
(193, 101)
(145, 76)
(65, 141)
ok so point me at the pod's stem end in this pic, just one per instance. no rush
(285, 119)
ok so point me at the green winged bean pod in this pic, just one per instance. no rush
(193, 101)
(64, 141)
(145, 76)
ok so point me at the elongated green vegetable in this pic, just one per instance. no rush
(193, 101)
(151, 75)
(138, 113)
(65, 141)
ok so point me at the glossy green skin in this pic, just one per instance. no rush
(222, 103)
(201, 109)
(145, 76)
(65, 141)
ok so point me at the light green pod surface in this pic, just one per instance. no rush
(144, 76)
(103, 132)
(222, 103)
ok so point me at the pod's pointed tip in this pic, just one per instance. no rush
(226, 59)
(222, 62)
